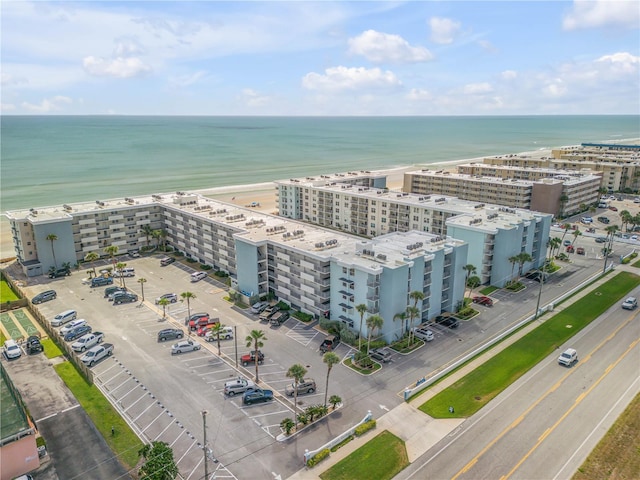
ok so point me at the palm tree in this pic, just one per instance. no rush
(470, 270)
(361, 309)
(52, 237)
(163, 239)
(119, 267)
(112, 251)
(142, 281)
(576, 234)
(215, 332)
(412, 312)
(416, 296)
(147, 232)
(563, 202)
(566, 227)
(402, 316)
(188, 296)
(156, 235)
(523, 257)
(626, 218)
(554, 243)
(373, 322)
(330, 358)
(513, 260)
(163, 302)
(297, 372)
(92, 257)
(256, 338)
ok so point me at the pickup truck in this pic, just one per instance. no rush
(269, 312)
(330, 343)
(251, 358)
(87, 341)
(97, 353)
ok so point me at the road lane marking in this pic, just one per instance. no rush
(510, 427)
(575, 404)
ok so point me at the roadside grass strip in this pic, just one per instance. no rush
(124, 443)
(476, 389)
(26, 323)
(9, 326)
(382, 458)
(6, 294)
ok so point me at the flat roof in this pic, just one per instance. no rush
(12, 417)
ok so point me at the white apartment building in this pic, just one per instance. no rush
(316, 270)
(558, 192)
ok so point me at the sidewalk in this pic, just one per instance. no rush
(419, 431)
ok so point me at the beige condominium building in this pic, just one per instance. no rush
(619, 165)
(558, 192)
(371, 212)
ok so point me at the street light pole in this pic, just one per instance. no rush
(542, 274)
(204, 447)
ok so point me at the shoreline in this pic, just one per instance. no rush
(264, 193)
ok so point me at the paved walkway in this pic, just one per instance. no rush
(419, 431)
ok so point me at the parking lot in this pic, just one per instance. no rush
(163, 395)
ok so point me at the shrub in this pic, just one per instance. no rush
(364, 428)
(287, 425)
(342, 443)
(205, 267)
(362, 360)
(318, 457)
(330, 326)
(221, 274)
(284, 306)
(335, 400)
(303, 317)
(347, 336)
(303, 418)
(191, 260)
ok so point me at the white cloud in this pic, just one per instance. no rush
(509, 75)
(477, 88)
(419, 94)
(443, 30)
(382, 47)
(6, 79)
(187, 80)
(555, 89)
(48, 105)
(355, 78)
(7, 107)
(602, 13)
(255, 99)
(118, 67)
(622, 62)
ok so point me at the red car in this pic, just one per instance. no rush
(482, 300)
(613, 209)
(204, 328)
(570, 249)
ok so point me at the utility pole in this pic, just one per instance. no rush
(541, 278)
(204, 447)
(235, 340)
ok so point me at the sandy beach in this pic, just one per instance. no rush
(262, 193)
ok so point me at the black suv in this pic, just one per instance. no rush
(125, 298)
(33, 345)
(44, 296)
(447, 320)
(169, 333)
(60, 272)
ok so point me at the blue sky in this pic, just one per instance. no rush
(321, 58)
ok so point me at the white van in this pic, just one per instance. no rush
(125, 272)
(63, 318)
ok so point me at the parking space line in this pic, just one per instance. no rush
(116, 388)
(178, 438)
(144, 395)
(154, 420)
(165, 429)
(272, 413)
(116, 375)
(115, 365)
(130, 391)
(188, 450)
(195, 469)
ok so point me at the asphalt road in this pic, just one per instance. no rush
(163, 396)
(547, 423)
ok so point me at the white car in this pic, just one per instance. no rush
(184, 346)
(630, 303)
(226, 333)
(423, 334)
(172, 297)
(197, 276)
(11, 349)
(71, 325)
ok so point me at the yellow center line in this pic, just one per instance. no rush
(577, 402)
(515, 423)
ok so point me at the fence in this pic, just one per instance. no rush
(426, 382)
(53, 334)
(308, 454)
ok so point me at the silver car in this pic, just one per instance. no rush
(184, 346)
(308, 385)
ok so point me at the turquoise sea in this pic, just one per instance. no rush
(49, 160)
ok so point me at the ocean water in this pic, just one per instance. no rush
(49, 160)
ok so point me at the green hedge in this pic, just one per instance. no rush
(318, 457)
(364, 428)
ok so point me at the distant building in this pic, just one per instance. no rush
(18, 449)
(558, 192)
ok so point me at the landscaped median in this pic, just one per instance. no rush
(479, 387)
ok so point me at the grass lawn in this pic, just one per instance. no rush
(480, 386)
(125, 444)
(381, 458)
(6, 294)
(51, 350)
(616, 455)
